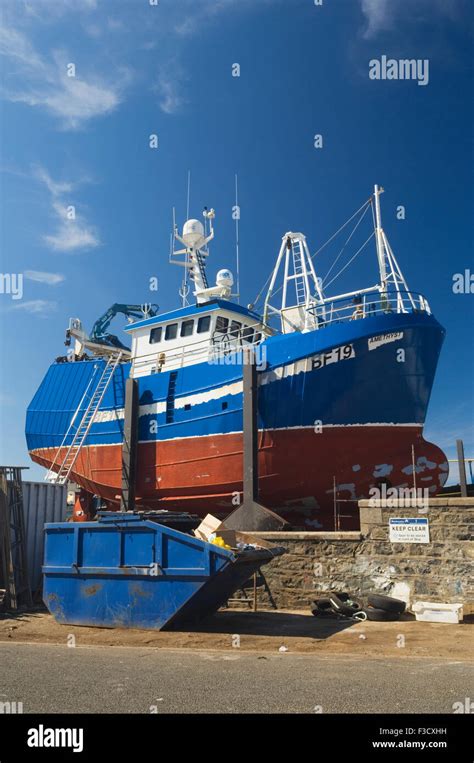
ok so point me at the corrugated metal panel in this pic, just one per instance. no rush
(42, 503)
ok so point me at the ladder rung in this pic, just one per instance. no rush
(87, 419)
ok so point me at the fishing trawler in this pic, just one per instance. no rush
(344, 385)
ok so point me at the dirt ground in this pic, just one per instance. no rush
(263, 631)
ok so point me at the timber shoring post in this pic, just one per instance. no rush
(129, 447)
(462, 468)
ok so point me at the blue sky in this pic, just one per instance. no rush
(142, 69)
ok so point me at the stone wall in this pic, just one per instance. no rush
(366, 561)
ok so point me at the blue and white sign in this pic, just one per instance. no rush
(409, 530)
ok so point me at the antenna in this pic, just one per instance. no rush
(187, 199)
(184, 291)
(237, 217)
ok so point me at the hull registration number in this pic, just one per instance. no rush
(344, 352)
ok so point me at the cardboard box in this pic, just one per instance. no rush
(210, 525)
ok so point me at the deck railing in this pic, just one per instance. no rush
(363, 304)
(366, 304)
(214, 349)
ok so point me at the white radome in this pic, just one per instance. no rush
(193, 233)
(225, 278)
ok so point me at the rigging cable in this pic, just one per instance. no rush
(352, 258)
(369, 201)
(345, 244)
(362, 207)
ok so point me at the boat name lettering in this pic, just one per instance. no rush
(378, 341)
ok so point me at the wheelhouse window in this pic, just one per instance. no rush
(171, 331)
(155, 335)
(247, 334)
(222, 324)
(187, 328)
(235, 327)
(204, 324)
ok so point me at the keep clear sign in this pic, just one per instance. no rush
(409, 530)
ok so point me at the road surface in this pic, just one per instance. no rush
(59, 679)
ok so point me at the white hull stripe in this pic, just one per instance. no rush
(282, 372)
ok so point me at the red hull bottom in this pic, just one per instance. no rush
(297, 470)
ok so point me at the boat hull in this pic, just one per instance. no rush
(341, 406)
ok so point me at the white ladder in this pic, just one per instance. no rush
(298, 271)
(60, 476)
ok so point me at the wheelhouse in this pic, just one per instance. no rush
(193, 335)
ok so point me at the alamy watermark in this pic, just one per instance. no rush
(401, 497)
(53, 737)
(417, 69)
(463, 283)
(11, 708)
(232, 357)
(12, 283)
(465, 706)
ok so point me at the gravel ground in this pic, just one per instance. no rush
(264, 631)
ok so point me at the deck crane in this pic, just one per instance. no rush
(99, 337)
(99, 329)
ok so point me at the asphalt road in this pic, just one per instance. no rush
(58, 679)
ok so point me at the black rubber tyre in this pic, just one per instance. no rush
(322, 603)
(387, 603)
(322, 613)
(381, 615)
(342, 595)
(341, 608)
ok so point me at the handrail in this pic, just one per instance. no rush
(208, 350)
(230, 342)
(351, 306)
(366, 304)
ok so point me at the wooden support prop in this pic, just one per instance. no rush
(462, 468)
(251, 515)
(129, 447)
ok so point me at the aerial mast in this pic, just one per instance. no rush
(196, 238)
(379, 237)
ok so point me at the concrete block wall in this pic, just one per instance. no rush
(366, 561)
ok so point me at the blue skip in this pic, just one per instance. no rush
(129, 572)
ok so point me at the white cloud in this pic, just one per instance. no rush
(35, 306)
(385, 15)
(16, 46)
(72, 232)
(167, 87)
(45, 10)
(198, 14)
(378, 14)
(115, 24)
(53, 186)
(51, 279)
(43, 82)
(170, 100)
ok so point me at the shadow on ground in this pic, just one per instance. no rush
(272, 624)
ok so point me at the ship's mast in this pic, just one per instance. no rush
(378, 190)
(301, 289)
(391, 277)
(196, 239)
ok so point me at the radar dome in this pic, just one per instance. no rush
(225, 278)
(193, 233)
